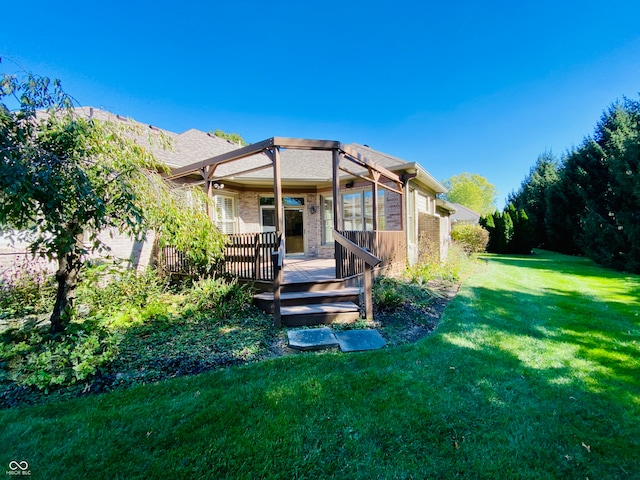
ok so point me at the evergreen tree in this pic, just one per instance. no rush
(532, 196)
(488, 222)
(522, 239)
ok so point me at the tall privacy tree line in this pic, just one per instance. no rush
(588, 202)
(509, 231)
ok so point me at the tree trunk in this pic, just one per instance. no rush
(67, 278)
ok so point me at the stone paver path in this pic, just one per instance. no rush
(348, 340)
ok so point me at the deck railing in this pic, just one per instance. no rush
(248, 256)
(389, 246)
(172, 261)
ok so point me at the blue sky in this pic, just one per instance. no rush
(459, 86)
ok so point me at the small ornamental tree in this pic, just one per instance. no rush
(65, 178)
(178, 216)
(62, 178)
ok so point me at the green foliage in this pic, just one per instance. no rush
(45, 362)
(532, 196)
(509, 231)
(593, 198)
(390, 294)
(26, 289)
(179, 217)
(473, 191)
(386, 294)
(61, 176)
(224, 299)
(522, 240)
(127, 323)
(122, 297)
(472, 238)
(429, 266)
(232, 137)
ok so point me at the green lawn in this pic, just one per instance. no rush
(534, 372)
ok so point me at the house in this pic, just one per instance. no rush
(244, 195)
(284, 199)
(243, 192)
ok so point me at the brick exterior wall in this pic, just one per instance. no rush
(126, 249)
(123, 248)
(433, 234)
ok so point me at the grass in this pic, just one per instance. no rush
(532, 373)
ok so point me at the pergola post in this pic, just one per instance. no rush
(279, 220)
(208, 186)
(277, 191)
(374, 191)
(337, 213)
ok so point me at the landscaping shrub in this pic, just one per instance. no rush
(429, 267)
(108, 288)
(39, 359)
(391, 293)
(386, 294)
(472, 238)
(224, 299)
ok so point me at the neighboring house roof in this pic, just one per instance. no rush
(464, 215)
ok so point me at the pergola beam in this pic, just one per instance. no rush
(231, 156)
(282, 142)
(233, 174)
(372, 180)
(355, 157)
(305, 144)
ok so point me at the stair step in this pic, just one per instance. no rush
(319, 313)
(343, 292)
(320, 308)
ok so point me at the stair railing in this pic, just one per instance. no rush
(278, 278)
(369, 260)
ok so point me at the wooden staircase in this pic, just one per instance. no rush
(313, 303)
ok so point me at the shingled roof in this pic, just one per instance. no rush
(297, 166)
(177, 149)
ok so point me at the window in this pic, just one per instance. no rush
(352, 211)
(286, 201)
(268, 218)
(357, 210)
(224, 215)
(327, 220)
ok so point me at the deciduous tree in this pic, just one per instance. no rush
(473, 191)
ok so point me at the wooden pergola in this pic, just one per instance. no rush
(376, 174)
(344, 159)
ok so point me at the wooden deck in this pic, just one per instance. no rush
(309, 269)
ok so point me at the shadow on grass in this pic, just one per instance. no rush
(571, 355)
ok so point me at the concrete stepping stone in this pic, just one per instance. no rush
(359, 340)
(312, 339)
